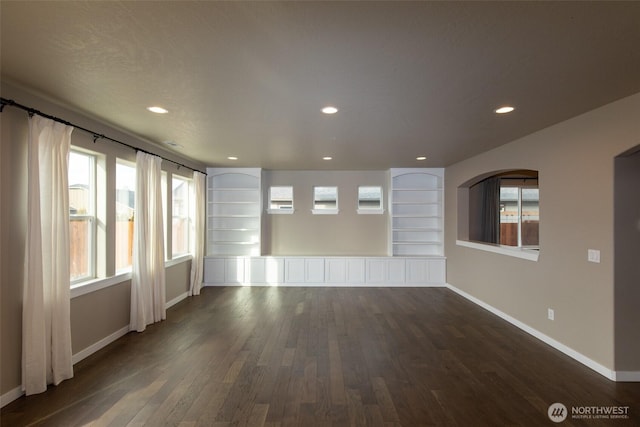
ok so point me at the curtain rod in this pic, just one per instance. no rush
(96, 135)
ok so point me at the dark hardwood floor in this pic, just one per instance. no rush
(325, 356)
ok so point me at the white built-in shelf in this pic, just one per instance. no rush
(417, 211)
(234, 200)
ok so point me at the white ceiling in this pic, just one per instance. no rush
(248, 79)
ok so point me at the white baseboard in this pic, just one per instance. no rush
(602, 370)
(83, 354)
(176, 300)
(17, 392)
(10, 396)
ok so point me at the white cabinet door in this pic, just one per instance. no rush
(274, 271)
(264, 270)
(234, 270)
(335, 270)
(417, 271)
(214, 270)
(304, 270)
(294, 270)
(314, 270)
(344, 271)
(376, 270)
(355, 270)
(388, 271)
(255, 270)
(438, 271)
(395, 271)
(425, 271)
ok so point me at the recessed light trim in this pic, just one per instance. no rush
(421, 158)
(172, 144)
(158, 110)
(504, 110)
(232, 158)
(329, 109)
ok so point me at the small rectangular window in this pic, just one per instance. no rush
(82, 215)
(370, 200)
(280, 199)
(179, 216)
(325, 200)
(125, 213)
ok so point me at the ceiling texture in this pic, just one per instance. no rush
(248, 79)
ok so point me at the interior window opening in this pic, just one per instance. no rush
(504, 209)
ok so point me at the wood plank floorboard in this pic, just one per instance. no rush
(275, 357)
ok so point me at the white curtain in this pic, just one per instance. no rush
(197, 233)
(148, 278)
(46, 323)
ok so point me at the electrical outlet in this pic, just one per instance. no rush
(551, 314)
(593, 255)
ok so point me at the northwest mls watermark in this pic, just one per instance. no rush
(558, 412)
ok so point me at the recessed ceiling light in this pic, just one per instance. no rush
(158, 110)
(232, 158)
(329, 110)
(172, 144)
(504, 110)
(421, 158)
(327, 158)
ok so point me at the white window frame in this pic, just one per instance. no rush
(280, 210)
(371, 211)
(90, 217)
(188, 216)
(325, 211)
(132, 165)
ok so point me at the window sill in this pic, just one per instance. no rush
(179, 259)
(325, 211)
(280, 211)
(370, 211)
(93, 285)
(528, 254)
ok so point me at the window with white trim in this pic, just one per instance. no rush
(280, 199)
(82, 215)
(125, 213)
(180, 219)
(325, 200)
(370, 200)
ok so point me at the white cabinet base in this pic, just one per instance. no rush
(325, 271)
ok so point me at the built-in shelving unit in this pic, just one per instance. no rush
(416, 237)
(234, 202)
(417, 209)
